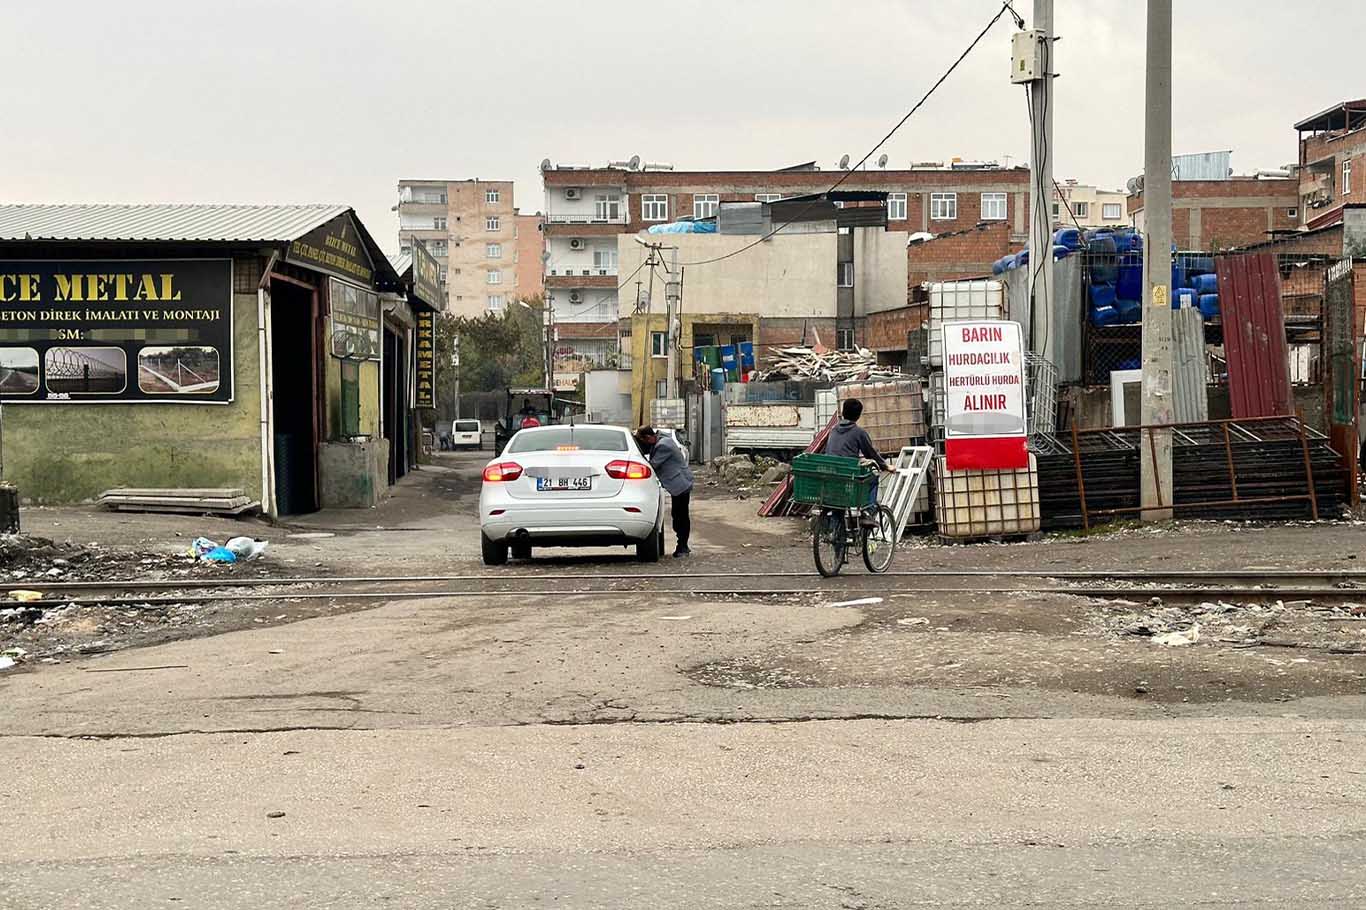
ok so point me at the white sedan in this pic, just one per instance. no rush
(570, 486)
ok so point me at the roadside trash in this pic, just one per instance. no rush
(220, 554)
(861, 602)
(24, 596)
(201, 545)
(913, 621)
(246, 548)
(1177, 639)
(11, 657)
(7, 662)
(276, 814)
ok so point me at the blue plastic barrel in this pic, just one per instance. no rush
(1104, 315)
(999, 266)
(1206, 283)
(1130, 311)
(1061, 251)
(718, 380)
(1209, 305)
(1129, 285)
(1132, 363)
(1102, 295)
(1104, 266)
(1185, 297)
(1068, 237)
(1127, 241)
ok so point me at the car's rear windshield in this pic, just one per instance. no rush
(553, 439)
(467, 426)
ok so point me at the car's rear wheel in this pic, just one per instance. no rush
(521, 551)
(495, 553)
(651, 548)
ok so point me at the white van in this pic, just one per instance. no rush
(467, 434)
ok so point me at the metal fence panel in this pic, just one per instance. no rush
(1254, 335)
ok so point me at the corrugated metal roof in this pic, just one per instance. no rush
(163, 223)
(401, 262)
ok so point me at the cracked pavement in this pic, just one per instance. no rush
(690, 753)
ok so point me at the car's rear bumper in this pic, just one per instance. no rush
(586, 526)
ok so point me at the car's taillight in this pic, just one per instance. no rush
(502, 470)
(627, 470)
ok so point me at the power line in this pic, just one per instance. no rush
(883, 141)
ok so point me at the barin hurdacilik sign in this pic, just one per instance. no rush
(121, 330)
(984, 389)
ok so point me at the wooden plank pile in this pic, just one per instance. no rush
(821, 364)
(216, 501)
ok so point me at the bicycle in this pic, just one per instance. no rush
(848, 520)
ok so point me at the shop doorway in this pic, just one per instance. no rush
(395, 403)
(293, 354)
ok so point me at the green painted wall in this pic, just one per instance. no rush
(369, 395)
(64, 453)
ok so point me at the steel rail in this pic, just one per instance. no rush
(829, 591)
(40, 583)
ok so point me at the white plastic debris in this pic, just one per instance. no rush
(861, 602)
(1178, 639)
(246, 547)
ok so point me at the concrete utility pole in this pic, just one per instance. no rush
(673, 298)
(1156, 460)
(1042, 316)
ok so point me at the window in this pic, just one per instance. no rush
(896, 206)
(661, 388)
(654, 207)
(439, 223)
(1347, 177)
(1111, 211)
(491, 197)
(605, 260)
(551, 439)
(405, 250)
(1056, 210)
(495, 302)
(607, 207)
(943, 206)
(441, 273)
(439, 247)
(493, 251)
(844, 339)
(495, 276)
(846, 274)
(1081, 209)
(704, 205)
(993, 206)
(659, 344)
(1292, 213)
(767, 197)
(491, 223)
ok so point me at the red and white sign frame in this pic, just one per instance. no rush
(985, 422)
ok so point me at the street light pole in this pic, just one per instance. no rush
(1155, 474)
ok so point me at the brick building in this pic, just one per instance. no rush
(1332, 163)
(587, 208)
(1224, 214)
(470, 228)
(529, 273)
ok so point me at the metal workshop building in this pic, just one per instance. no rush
(271, 349)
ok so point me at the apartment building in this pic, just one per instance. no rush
(530, 246)
(588, 208)
(1227, 214)
(470, 227)
(1089, 206)
(1332, 163)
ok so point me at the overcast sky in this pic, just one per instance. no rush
(334, 100)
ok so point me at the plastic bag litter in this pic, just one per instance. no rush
(1177, 639)
(246, 548)
(201, 545)
(25, 597)
(220, 554)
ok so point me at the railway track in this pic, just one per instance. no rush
(1329, 585)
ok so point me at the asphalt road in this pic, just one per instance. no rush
(686, 753)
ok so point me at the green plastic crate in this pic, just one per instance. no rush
(832, 481)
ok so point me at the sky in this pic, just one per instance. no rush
(335, 100)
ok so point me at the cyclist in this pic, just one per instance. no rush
(849, 440)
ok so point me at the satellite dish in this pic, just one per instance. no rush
(844, 163)
(634, 163)
(545, 164)
(882, 160)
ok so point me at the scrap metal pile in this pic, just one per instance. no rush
(1257, 468)
(824, 365)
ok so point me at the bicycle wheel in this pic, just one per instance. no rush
(828, 543)
(879, 541)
